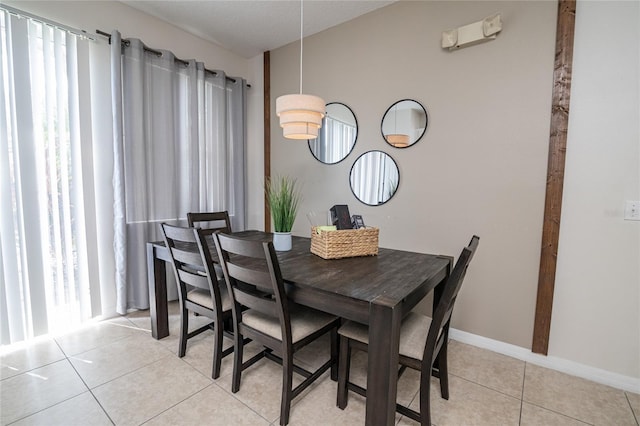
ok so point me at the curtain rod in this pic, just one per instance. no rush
(159, 53)
(22, 14)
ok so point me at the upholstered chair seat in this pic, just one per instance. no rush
(413, 334)
(304, 321)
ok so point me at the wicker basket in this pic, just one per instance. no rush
(344, 243)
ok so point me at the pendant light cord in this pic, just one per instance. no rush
(301, 36)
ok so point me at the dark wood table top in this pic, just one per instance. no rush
(388, 278)
(392, 274)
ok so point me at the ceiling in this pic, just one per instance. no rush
(250, 27)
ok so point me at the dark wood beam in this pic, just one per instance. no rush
(266, 60)
(555, 173)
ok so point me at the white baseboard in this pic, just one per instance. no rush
(573, 368)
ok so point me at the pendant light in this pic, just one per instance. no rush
(396, 139)
(300, 115)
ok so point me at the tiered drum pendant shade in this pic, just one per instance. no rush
(398, 140)
(300, 115)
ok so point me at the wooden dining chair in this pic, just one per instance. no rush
(254, 280)
(198, 288)
(423, 344)
(210, 222)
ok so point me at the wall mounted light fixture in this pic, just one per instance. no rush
(468, 35)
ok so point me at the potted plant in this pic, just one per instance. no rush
(283, 197)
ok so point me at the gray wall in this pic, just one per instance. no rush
(481, 167)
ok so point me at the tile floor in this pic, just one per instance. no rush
(115, 373)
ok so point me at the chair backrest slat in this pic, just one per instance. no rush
(186, 256)
(179, 234)
(261, 279)
(246, 249)
(194, 279)
(210, 222)
(253, 301)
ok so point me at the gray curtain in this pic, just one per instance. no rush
(179, 146)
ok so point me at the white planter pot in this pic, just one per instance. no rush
(282, 241)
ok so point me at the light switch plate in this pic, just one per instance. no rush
(632, 210)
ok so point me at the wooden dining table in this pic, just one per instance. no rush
(374, 290)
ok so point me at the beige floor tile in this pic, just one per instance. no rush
(318, 408)
(24, 357)
(487, 368)
(195, 322)
(408, 384)
(577, 398)
(469, 404)
(261, 388)
(137, 379)
(211, 406)
(142, 318)
(138, 396)
(82, 410)
(38, 389)
(315, 353)
(536, 416)
(200, 354)
(634, 402)
(96, 335)
(113, 360)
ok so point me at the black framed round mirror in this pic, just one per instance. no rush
(374, 178)
(337, 136)
(404, 123)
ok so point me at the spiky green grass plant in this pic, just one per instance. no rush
(283, 197)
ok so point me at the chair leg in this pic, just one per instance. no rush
(184, 330)
(425, 398)
(287, 391)
(217, 349)
(444, 373)
(238, 346)
(334, 354)
(344, 365)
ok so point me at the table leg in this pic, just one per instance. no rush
(382, 374)
(437, 294)
(157, 280)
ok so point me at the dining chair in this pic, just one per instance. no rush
(198, 288)
(423, 344)
(254, 281)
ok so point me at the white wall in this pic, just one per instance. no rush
(596, 312)
(113, 15)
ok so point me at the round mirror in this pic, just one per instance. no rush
(374, 178)
(404, 123)
(337, 136)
